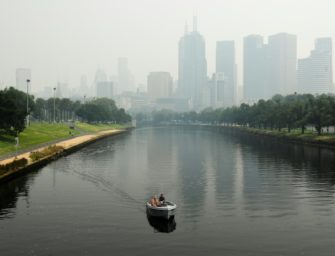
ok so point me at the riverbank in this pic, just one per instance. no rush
(40, 134)
(308, 138)
(66, 147)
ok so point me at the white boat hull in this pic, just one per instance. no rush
(166, 211)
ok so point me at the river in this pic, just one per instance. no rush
(236, 195)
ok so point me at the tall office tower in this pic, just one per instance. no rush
(100, 76)
(192, 68)
(225, 63)
(22, 74)
(105, 89)
(255, 69)
(217, 85)
(315, 73)
(84, 89)
(282, 63)
(125, 78)
(159, 85)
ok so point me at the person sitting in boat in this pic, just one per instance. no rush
(154, 201)
(162, 198)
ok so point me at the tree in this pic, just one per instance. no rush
(320, 112)
(13, 110)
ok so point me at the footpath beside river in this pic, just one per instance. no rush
(67, 146)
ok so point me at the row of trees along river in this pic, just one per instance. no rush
(295, 111)
(13, 110)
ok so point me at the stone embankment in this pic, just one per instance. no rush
(68, 146)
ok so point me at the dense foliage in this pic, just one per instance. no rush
(292, 111)
(102, 110)
(13, 110)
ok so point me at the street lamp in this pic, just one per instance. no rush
(54, 104)
(27, 118)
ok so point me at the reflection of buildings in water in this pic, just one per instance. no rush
(276, 171)
(162, 225)
(191, 176)
(161, 162)
(239, 176)
(160, 151)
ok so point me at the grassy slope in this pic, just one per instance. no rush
(308, 135)
(38, 133)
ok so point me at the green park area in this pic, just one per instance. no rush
(42, 132)
(308, 135)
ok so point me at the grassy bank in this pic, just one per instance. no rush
(309, 137)
(38, 133)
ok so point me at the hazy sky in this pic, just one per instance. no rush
(64, 39)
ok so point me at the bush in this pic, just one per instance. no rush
(49, 151)
(14, 165)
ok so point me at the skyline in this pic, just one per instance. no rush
(84, 37)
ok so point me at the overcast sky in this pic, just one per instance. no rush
(64, 39)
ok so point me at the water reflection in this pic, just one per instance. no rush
(230, 190)
(162, 225)
(11, 191)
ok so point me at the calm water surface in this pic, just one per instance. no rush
(235, 195)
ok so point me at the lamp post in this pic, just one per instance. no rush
(54, 104)
(27, 118)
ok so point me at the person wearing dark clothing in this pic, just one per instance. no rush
(162, 199)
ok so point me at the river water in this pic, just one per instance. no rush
(236, 195)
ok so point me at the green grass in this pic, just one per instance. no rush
(296, 133)
(98, 127)
(35, 134)
(38, 133)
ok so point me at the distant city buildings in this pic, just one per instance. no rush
(225, 71)
(192, 67)
(282, 64)
(254, 69)
(159, 85)
(315, 73)
(125, 78)
(21, 75)
(105, 89)
(269, 69)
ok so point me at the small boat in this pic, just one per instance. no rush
(165, 210)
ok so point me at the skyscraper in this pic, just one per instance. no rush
(159, 85)
(254, 69)
(105, 89)
(315, 73)
(282, 63)
(192, 69)
(125, 78)
(22, 74)
(225, 64)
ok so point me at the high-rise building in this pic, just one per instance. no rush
(315, 73)
(159, 85)
(282, 64)
(125, 78)
(22, 74)
(255, 69)
(217, 90)
(225, 64)
(192, 69)
(105, 89)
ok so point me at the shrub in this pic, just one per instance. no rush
(49, 151)
(14, 165)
